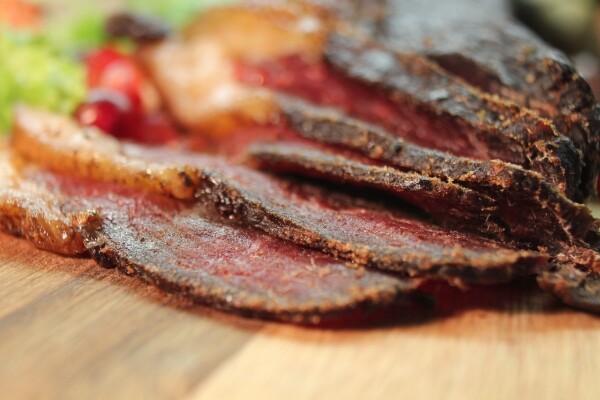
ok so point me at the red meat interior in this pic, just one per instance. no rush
(318, 83)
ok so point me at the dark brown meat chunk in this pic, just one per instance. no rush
(574, 277)
(532, 209)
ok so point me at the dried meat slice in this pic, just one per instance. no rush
(182, 248)
(65, 146)
(532, 208)
(431, 108)
(432, 101)
(449, 204)
(29, 211)
(481, 43)
(364, 233)
(574, 277)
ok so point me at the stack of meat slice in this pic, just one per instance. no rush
(225, 234)
(472, 177)
(450, 107)
(131, 218)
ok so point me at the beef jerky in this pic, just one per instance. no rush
(446, 112)
(181, 247)
(532, 208)
(412, 98)
(29, 211)
(56, 139)
(574, 277)
(450, 204)
(483, 44)
(350, 228)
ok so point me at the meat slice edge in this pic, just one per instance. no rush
(28, 210)
(449, 204)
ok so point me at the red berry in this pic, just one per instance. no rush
(109, 69)
(101, 114)
(104, 109)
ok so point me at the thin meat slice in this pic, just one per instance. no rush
(532, 209)
(65, 146)
(28, 210)
(413, 98)
(484, 45)
(182, 248)
(364, 233)
(450, 204)
(480, 42)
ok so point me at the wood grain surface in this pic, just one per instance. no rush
(72, 330)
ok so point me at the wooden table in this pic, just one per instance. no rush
(70, 329)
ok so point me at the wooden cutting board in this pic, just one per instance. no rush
(72, 330)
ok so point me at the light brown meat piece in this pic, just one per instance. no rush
(28, 210)
(66, 147)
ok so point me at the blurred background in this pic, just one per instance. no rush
(51, 34)
(572, 25)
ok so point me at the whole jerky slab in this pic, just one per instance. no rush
(533, 209)
(490, 128)
(361, 232)
(452, 205)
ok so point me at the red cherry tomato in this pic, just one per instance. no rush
(104, 109)
(103, 114)
(114, 103)
(126, 77)
(109, 69)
